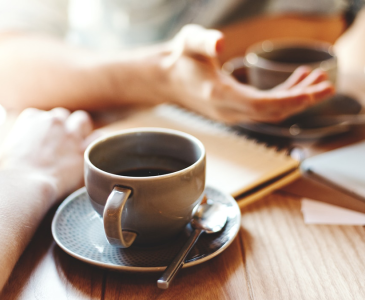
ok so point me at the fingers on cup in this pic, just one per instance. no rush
(302, 98)
(298, 76)
(274, 107)
(316, 76)
(320, 91)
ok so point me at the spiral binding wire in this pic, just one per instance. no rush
(174, 112)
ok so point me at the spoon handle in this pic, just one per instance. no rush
(178, 262)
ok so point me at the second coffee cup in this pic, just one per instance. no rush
(271, 62)
(146, 183)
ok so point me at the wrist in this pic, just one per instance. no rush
(137, 77)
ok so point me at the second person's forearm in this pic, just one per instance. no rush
(42, 72)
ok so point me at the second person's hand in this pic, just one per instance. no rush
(195, 80)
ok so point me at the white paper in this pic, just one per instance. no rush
(343, 167)
(316, 212)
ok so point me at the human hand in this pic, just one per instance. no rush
(195, 80)
(49, 145)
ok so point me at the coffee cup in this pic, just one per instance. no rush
(271, 62)
(146, 183)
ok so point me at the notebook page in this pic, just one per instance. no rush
(234, 164)
(343, 167)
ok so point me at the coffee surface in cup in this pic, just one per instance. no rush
(146, 172)
(296, 55)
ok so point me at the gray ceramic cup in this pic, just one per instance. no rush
(271, 62)
(145, 182)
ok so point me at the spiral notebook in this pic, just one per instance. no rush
(236, 165)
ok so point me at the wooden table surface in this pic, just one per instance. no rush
(275, 256)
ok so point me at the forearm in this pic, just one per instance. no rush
(24, 200)
(43, 72)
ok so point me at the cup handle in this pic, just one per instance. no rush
(112, 217)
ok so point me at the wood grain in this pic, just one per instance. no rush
(275, 256)
(221, 278)
(286, 259)
(46, 272)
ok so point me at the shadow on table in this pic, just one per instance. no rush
(213, 277)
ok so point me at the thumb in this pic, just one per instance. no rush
(195, 39)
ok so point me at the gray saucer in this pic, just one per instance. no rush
(334, 116)
(79, 231)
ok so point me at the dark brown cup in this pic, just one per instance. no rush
(271, 62)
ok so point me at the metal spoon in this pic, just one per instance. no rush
(325, 125)
(210, 218)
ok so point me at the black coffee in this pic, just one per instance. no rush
(296, 55)
(145, 172)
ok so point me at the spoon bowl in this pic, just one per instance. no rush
(209, 218)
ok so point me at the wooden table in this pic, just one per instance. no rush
(275, 256)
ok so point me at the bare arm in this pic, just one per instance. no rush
(43, 72)
(40, 162)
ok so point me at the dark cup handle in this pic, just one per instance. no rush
(112, 217)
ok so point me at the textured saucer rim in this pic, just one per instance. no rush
(198, 261)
